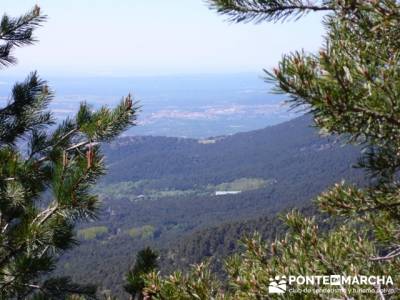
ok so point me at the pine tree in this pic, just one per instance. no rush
(146, 262)
(47, 169)
(352, 89)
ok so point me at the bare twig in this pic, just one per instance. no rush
(389, 256)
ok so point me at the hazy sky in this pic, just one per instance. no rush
(152, 37)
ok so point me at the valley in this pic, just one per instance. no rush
(160, 191)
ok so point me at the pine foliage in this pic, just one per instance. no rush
(146, 262)
(46, 174)
(268, 10)
(351, 87)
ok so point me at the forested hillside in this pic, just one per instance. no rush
(276, 152)
(160, 190)
(221, 241)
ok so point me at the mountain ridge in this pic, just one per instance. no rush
(160, 190)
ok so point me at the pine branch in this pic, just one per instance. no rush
(46, 214)
(56, 144)
(5, 57)
(33, 233)
(380, 292)
(26, 110)
(17, 32)
(266, 10)
(59, 288)
(395, 253)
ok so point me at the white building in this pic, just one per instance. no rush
(220, 193)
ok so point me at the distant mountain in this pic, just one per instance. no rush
(159, 190)
(289, 151)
